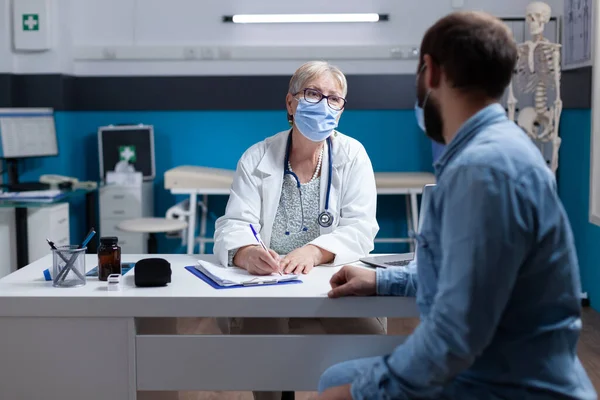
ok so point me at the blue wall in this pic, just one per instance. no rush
(573, 180)
(218, 138)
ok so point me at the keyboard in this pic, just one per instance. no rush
(399, 263)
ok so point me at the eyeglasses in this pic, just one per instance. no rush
(314, 96)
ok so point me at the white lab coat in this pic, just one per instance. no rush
(256, 190)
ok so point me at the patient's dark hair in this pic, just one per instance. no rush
(476, 50)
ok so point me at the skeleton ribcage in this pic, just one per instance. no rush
(543, 69)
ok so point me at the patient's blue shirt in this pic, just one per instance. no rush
(497, 280)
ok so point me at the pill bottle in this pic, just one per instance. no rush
(109, 257)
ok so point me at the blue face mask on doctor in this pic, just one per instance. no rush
(316, 121)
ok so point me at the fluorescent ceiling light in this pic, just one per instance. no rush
(302, 18)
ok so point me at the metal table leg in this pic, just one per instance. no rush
(414, 210)
(409, 222)
(90, 217)
(414, 216)
(22, 237)
(20, 217)
(203, 222)
(191, 241)
(152, 244)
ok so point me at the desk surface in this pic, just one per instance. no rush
(26, 293)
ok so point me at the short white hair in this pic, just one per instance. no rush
(314, 69)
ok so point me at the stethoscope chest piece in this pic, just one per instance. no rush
(325, 219)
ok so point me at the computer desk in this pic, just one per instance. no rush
(82, 343)
(22, 237)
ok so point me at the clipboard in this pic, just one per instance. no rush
(197, 273)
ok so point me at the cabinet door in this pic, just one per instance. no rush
(47, 222)
(59, 223)
(120, 202)
(8, 243)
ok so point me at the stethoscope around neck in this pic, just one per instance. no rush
(325, 218)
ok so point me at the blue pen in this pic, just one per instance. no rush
(88, 238)
(259, 240)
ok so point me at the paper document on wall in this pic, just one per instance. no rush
(234, 276)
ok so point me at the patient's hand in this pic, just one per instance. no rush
(303, 259)
(353, 281)
(257, 261)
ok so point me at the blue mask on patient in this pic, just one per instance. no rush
(420, 116)
(316, 121)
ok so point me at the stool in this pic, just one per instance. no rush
(152, 226)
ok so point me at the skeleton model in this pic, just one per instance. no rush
(537, 72)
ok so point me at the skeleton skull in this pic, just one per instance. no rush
(538, 15)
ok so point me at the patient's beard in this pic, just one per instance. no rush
(434, 125)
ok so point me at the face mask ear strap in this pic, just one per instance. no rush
(426, 98)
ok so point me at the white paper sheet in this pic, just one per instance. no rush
(232, 276)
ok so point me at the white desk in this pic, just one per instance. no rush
(409, 184)
(81, 343)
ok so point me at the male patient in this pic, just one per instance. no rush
(497, 278)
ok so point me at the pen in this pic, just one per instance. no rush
(259, 240)
(71, 261)
(53, 247)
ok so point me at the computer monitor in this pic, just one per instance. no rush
(134, 143)
(27, 132)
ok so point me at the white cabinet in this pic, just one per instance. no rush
(8, 242)
(119, 203)
(50, 222)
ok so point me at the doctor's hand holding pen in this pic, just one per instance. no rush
(257, 261)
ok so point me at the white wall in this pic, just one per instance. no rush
(109, 23)
(58, 59)
(6, 56)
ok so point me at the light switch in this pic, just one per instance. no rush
(458, 3)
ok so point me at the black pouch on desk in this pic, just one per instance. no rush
(152, 272)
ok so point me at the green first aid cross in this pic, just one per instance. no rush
(127, 153)
(31, 22)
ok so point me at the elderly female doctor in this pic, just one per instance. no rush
(311, 193)
(310, 190)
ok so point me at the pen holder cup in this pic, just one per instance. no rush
(68, 266)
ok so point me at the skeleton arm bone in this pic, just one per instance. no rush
(557, 75)
(511, 102)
